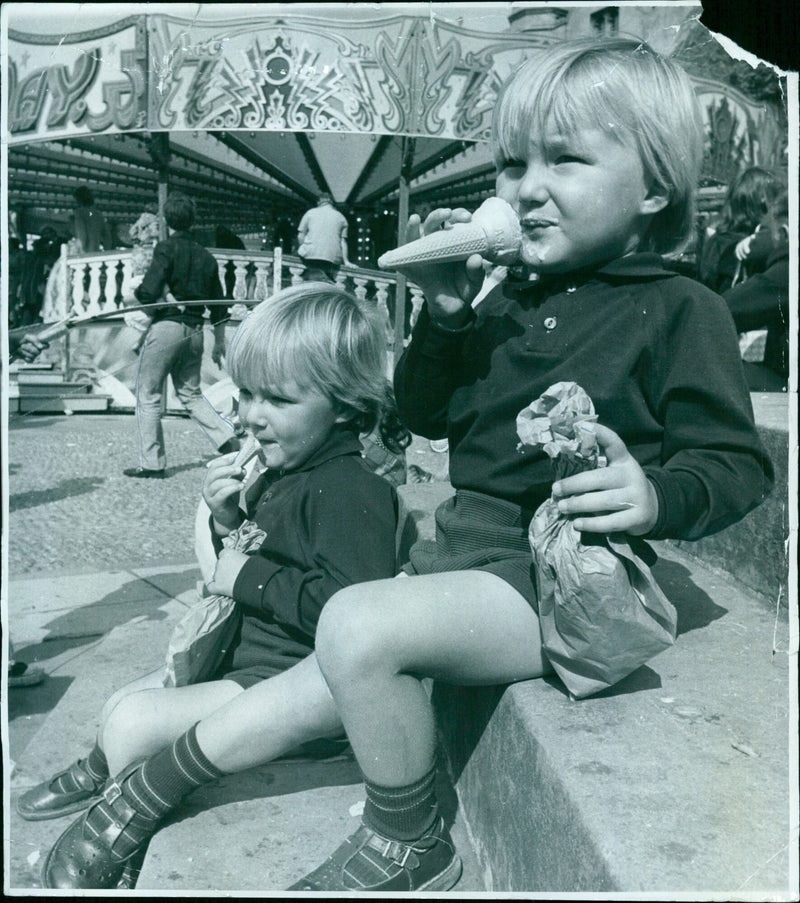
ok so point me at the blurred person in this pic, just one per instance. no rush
(89, 225)
(322, 237)
(723, 259)
(762, 302)
(173, 344)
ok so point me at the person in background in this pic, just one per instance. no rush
(723, 259)
(89, 225)
(322, 241)
(762, 302)
(173, 344)
(36, 271)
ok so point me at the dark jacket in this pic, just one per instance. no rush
(657, 353)
(763, 303)
(329, 524)
(190, 272)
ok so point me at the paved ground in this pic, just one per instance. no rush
(99, 568)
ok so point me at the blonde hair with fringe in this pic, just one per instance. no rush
(323, 339)
(626, 89)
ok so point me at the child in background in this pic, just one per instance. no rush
(310, 366)
(762, 302)
(727, 256)
(598, 149)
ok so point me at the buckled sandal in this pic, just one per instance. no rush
(43, 801)
(430, 863)
(81, 859)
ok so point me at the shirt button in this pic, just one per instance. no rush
(550, 323)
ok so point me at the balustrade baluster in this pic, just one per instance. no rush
(240, 283)
(127, 282)
(360, 290)
(71, 305)
(297, 274)
(382, 303)
(222, 267)
(262, 280)
(417, 300)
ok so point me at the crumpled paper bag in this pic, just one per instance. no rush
(203, 635)
(601, 613)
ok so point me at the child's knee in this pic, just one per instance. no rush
(348, 632)
(120, 718)
(111, 703)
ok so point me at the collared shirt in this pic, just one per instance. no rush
(657, 353)
(189, 271)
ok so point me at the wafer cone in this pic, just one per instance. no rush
(494, 233)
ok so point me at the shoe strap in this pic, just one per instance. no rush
(405, 854)
(81, 776)
(122, 812)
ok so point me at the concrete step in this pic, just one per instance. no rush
(56, 404)
(675, 781)
(56, 388)
(34, 377)
(755, 550)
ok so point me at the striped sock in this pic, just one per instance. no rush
(168, 776)
(151, 791)
(94, 765)
(402, 813)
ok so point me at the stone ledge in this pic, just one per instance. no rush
(676, 780)
(754, 550)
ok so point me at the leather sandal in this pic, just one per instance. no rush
(43, 801)
(80, 859)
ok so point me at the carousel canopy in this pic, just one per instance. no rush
(267, 105)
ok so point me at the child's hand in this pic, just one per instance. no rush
(221, 487)
(448, 287)
(742, 249)
(229, 563)
(617, 498)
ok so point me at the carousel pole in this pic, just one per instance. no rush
(158, 146)
(407, 156)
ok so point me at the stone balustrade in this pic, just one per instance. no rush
(98, 283)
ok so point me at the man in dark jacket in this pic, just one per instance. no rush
(174, 342)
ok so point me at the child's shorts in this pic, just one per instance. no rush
(257, 654)
(476, 532)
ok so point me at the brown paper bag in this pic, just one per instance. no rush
(203, 635)
(602, 615)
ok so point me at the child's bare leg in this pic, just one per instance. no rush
(375, 641)
(144, 722)
(237, 728)
(375, 644)
(270, 719)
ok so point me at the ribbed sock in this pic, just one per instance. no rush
(402, 813)
(153, 790)
(166, 778)
(95, 765)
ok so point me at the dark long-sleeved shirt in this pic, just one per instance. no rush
(189, 271)
(329, 524)
(656, 352)
(763, 303)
